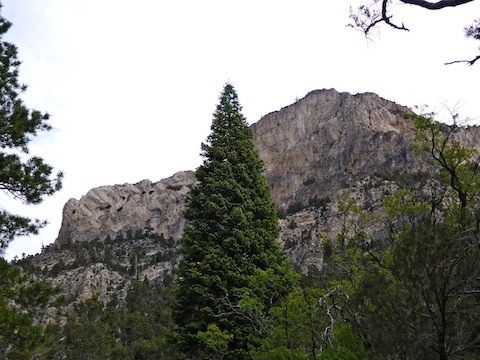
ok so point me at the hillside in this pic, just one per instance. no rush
(313, 150)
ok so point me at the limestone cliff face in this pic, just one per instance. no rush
(327, 140)
(110, 210)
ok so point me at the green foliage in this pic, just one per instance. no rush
(321, 204)
(308, 325)
(402, 179)
(21, 300)
(297, 324)
(215, 342)
(232, 271)
(457, 164)
(414, 292)
(86, 335)
(295, 207)
(138, 329)
(418, 296)
(124, 257)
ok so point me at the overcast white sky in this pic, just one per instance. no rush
(132, 85)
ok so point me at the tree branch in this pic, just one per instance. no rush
(437, 5)
(386, 18)
(469, 62)
(376, 12)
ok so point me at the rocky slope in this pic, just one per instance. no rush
(313, 150)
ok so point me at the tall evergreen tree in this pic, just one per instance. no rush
(233, 270)
(29, 180)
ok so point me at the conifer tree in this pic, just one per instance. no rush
(26, 179)
(29, 180)
(233, 270)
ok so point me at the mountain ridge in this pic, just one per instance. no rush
(313, 150)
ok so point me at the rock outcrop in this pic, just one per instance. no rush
(110, 210)
(328, 140)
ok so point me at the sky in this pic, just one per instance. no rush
(131, 86)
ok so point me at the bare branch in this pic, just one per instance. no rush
(387, 18)
(469, 62)
(437, 5)
(370, 16)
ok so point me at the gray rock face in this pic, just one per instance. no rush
(110, 210)
(327, 140)
(83, 283)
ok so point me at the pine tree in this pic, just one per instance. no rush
(28, 180)
(233, 270)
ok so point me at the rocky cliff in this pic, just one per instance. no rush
(110, 210)
(312, 149)
(328, 140)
